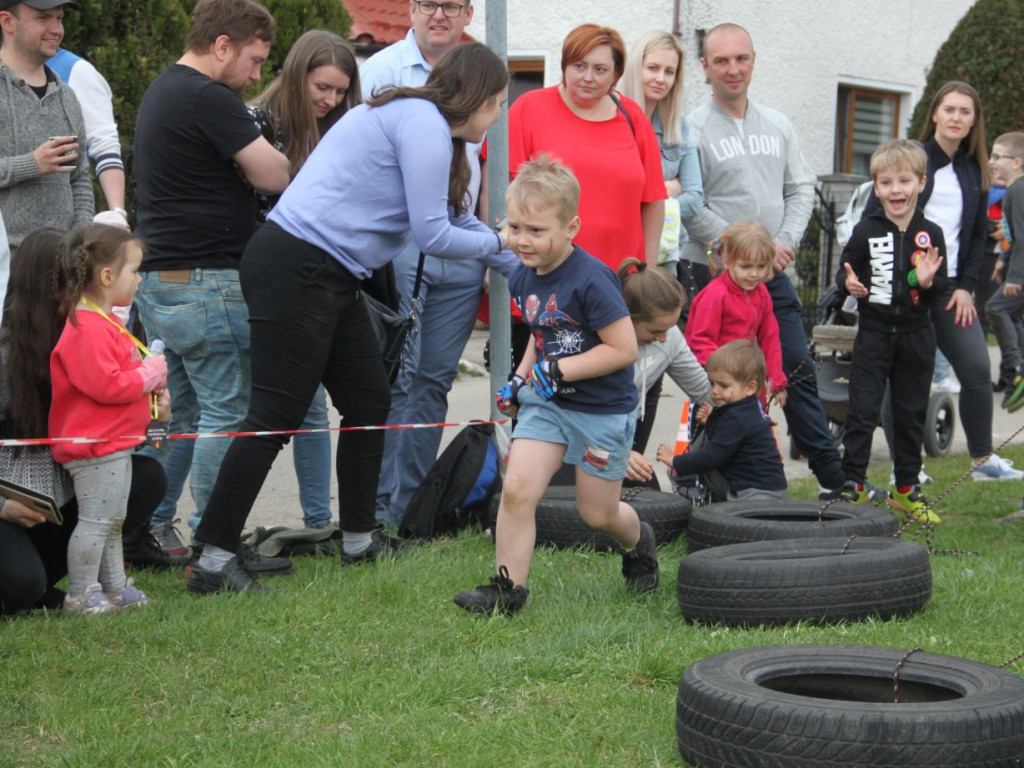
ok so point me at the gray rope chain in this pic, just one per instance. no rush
(896, 674)
(846, 546)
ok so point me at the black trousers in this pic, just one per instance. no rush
(904, 362)
(308, 326)
(34, 559)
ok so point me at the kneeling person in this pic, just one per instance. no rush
(737, 445)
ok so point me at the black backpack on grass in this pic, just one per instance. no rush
(457, 490)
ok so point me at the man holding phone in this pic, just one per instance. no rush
(44, 172)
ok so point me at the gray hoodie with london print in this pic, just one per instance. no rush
(755, 173)
(29, 200)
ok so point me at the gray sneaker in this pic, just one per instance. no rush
(167, 536)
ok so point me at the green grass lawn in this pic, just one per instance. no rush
(374, 665)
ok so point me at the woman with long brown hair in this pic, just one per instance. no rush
(388, 170)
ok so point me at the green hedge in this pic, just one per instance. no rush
(132, 42)
(984, 50)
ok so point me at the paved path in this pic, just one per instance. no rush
(470, 399)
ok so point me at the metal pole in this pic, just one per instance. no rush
(497, 179)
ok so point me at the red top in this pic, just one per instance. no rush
(616, 169)
(724, 312)
(97, 391)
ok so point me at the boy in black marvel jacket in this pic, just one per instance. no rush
(893, 266)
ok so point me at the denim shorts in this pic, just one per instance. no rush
(597, 443)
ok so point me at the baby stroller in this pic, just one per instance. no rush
(832, 345)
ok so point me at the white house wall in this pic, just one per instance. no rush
(805, 48)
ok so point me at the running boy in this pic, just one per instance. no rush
(737, 442)
(1005, 307)
(573, 390)
(892, 266)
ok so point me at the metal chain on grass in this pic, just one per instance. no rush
(896, 674)
(1018, 657)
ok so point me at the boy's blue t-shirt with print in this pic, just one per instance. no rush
(564, 309)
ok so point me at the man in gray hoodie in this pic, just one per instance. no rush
(44, 177)
(753, 169)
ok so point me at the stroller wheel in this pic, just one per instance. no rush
(939, 424)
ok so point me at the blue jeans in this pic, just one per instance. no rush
(204, 324)
(311, 454)
(312, 457)
(449, 298)
(805, 415)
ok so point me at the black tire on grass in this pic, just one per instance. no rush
(559, 523)
(737, 522)
(822, 706)
(773, 583)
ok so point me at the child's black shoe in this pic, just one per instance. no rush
(640, 564)
(500, 595)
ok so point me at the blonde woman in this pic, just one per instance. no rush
(654, 79)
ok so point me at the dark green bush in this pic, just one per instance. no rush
(132, 42)
(984, 50)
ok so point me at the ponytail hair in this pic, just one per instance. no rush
(460, 83)
(84, 251)
(649, 291)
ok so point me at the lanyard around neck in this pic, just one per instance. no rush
(92, 305)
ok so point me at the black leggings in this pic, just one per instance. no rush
(308, 326)
(34, 559)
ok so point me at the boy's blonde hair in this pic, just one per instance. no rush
(900, 155)
(742, 359)
(545, 183)
(749, 240)
(1012, 141)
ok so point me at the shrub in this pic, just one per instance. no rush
(983, 50)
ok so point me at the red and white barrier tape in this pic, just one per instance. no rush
(264, 433)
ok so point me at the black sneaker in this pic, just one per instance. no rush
(261, 565)
(381, 546)
(500, 595)
(640, 564)
(142, 550)
(233, 578)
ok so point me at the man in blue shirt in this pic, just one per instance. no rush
(450, 292)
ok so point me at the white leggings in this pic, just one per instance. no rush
(94, 550)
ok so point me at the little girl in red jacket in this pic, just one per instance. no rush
(736, 304)
(101, 388)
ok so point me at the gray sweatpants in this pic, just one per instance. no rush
(94, 550)
(1004, 319)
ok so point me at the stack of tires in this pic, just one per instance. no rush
(770, 563)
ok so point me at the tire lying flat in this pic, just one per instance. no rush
(826, 706)
(815, 580)
(559, 523)
(738, 522)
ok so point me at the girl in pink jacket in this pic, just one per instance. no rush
(737, 305)
(101, 388)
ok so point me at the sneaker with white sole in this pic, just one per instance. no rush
(923, 478)
(167, 536)
(91, 601)
(947, 384)
(129, 597)
(996, 468)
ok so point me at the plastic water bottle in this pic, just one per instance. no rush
(850, 305)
